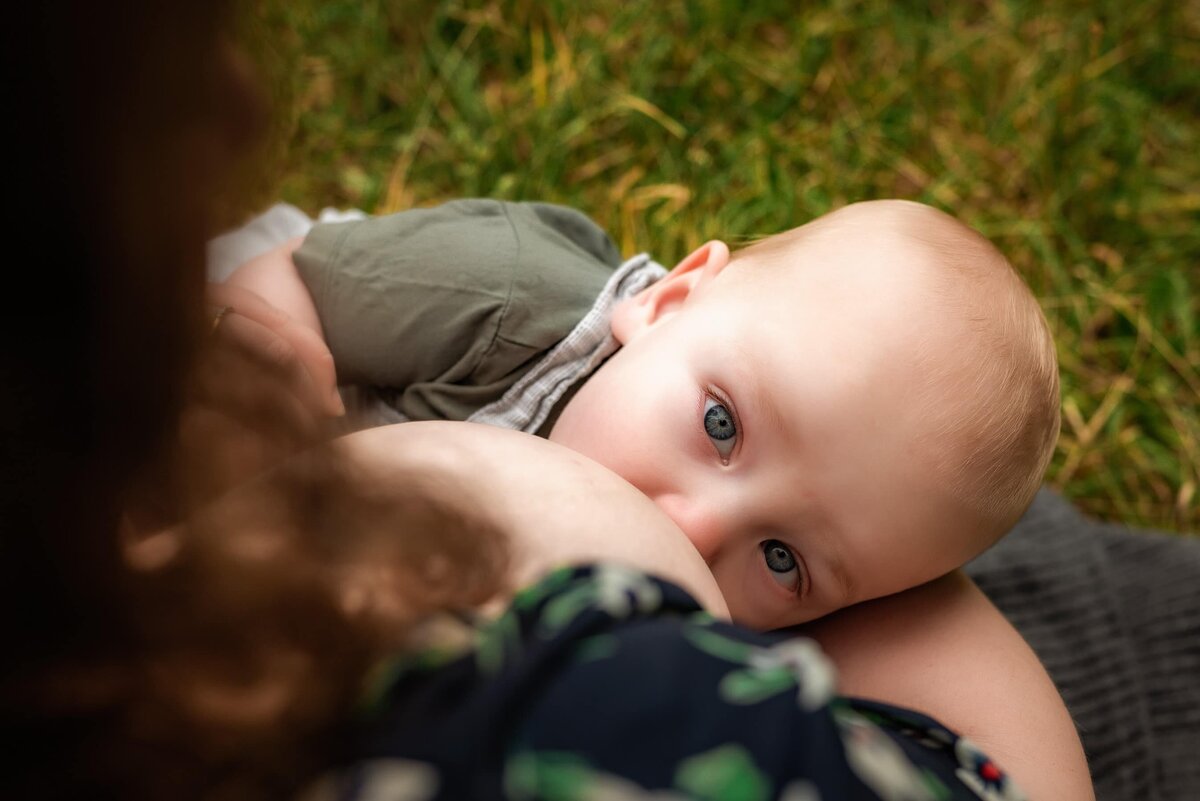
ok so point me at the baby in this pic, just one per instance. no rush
(833, 414)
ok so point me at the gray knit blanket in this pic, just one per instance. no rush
(1114, 614)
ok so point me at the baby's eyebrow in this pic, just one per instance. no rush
(764, 407)
(766, 411)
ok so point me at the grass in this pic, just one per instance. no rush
(1067, 132)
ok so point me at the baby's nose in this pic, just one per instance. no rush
(700, 521)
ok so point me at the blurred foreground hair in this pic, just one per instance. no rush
(212, 658)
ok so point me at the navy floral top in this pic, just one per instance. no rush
(603, 683)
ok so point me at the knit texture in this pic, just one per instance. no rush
(1114, 615)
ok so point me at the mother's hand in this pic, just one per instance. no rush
(262, 389)
(280, 344)
(264, 383)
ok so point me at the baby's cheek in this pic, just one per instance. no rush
(806, 614)
(748, 609)
(580, 432)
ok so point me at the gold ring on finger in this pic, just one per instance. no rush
(218, 316)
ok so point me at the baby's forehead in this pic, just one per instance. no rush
(888, 332)
(898, 233)
(889, 296)
(840, 259)
(893, 284)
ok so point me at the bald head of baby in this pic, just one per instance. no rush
(983, 374)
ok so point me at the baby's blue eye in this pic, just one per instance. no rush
(720, 428)
(782, 564)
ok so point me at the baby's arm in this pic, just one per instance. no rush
(946, 650)
(273, 276)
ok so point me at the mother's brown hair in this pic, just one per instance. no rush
(181, 662)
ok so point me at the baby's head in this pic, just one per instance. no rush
(833, 414)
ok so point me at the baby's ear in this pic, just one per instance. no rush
(658, 301)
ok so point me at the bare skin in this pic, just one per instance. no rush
(942, 648)
(823, 489)
(557, 508)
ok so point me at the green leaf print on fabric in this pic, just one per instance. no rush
(621, 591)
(384, 675)
(879, 762)
(602, 646)
(614, 589)
(752, 685)
(561, 610)
(549, 775)
(726, 773)
(804, 659)
(549, 584)
(718, 645)
(379, 680)
(936, 786)
(796, 662)
(562, 776)
(495, 639)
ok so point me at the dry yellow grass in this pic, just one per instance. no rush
(1066, 133)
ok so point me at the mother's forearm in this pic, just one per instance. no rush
(945, 650)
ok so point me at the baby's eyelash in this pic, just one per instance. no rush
(805, 576)
(720, 397)
(711, 398)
